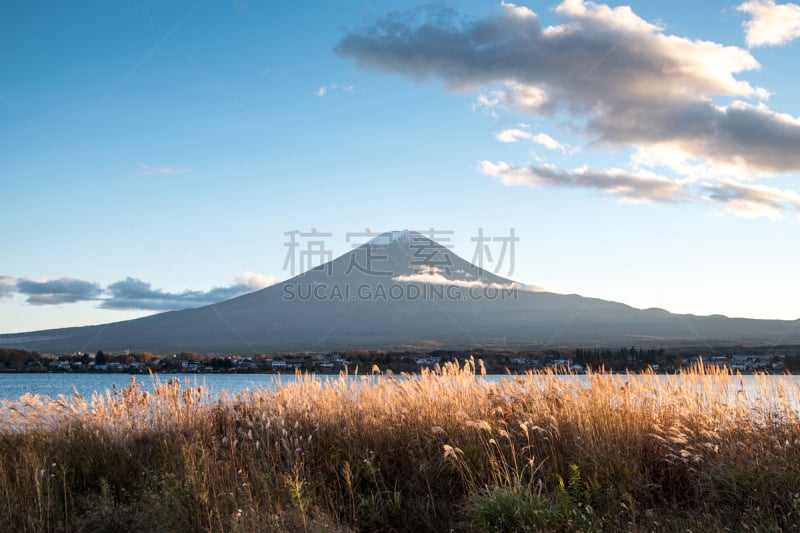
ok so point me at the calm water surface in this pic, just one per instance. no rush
(12, 386)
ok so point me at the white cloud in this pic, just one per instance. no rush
(254, 280)
(620, 18)
(165, 170)
(514, 134)
(621, 79)
(522, 98)
(487, 102)
(573, 64)
(770, 24)
(518, 11)
(436, 276)
(538, 288)
(663, 156)
(333, 87)
(609, 75)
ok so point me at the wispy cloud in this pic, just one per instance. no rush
(641, 187)
(741, 199)
(333, 87)
(515, 134)
(770, 24)
(487, 102)
(147, 170)
(750, 200)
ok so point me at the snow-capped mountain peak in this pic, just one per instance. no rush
(402, 237)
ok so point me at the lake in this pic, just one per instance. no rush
(12, 386)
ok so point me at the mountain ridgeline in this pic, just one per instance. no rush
(399, 291)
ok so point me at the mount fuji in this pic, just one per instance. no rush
(402, 290)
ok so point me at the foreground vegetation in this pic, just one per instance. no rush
(442, 451)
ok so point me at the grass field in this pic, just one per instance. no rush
(442, 451)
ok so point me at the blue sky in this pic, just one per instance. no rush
(154, 154)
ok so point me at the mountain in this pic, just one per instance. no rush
(402, 290)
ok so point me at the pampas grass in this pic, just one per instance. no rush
(443, 450)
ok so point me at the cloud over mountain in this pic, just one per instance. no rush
(438, 276)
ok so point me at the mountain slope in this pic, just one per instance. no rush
(401, 289)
